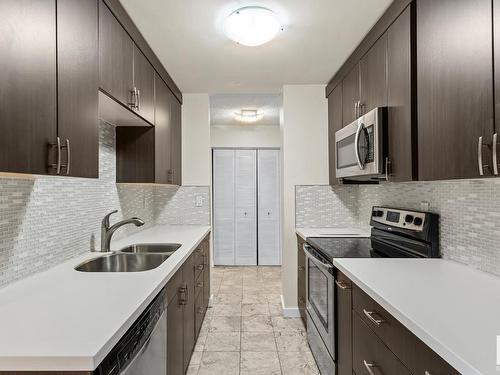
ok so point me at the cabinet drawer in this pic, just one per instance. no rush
(370, 355)
(174, 284)
(416, 355)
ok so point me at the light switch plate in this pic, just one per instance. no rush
(199, 201)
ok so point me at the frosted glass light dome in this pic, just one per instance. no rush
(252, 26)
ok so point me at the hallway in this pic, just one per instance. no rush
(244, 331)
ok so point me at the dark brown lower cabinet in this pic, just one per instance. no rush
(301, 279)
(370, 353)
(186, 310)
(343, 298)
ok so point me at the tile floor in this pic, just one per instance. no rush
(245, 333)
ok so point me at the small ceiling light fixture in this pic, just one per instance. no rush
(248, 115)
(252, 26)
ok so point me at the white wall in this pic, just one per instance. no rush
(304, 138)
(196, 158)
(245, 136)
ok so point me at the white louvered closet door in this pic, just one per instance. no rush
(246, 207)
(224, 220)
(269, 207)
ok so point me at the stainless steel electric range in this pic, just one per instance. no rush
(395, 233)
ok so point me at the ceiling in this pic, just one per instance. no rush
(318, 37)
(224, 106)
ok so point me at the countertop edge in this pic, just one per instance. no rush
(447, 354)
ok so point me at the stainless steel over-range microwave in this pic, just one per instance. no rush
(361, 148)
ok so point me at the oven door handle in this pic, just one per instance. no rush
(356, 145)
(316, 260)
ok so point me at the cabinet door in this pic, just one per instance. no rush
(455, 90)
(373, 78)
(206, 274)
(189, 310)
(343, 289)
(245, 182)
(269, 207)
(162, 131)
(144, 78)
(402, 146)
(28, 85)
(334, 124)
(78, 84)
(175, 333)
(350, 95)
(116, 56)
(176, 142)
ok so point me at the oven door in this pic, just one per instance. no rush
(320, 297)
(359, 146)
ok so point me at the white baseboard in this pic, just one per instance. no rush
(211, 300)
(289, 312)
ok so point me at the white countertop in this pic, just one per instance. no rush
(332, 232)
(62, 319)
(452, 308)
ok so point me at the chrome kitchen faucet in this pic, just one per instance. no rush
(107, 231)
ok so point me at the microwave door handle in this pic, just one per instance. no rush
(356, 145)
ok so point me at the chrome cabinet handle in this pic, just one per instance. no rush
(199, 284)
(356, 106)
(480, 164)
(375, 321)
(369, 367)
(200, 310)
(356, 145)
(341, 285)
(138, 100)
(183, 295)
(427, 373)
(57, 166)
(68, 161)
(301, 268)
(200, 267)
(495, 161)
(134, 101)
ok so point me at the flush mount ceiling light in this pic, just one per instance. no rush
(248, 115)
(252, 26)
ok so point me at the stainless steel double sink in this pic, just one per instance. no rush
(133, 258)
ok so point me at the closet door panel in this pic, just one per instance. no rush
(245, 207)
(269, 207)
(224, 223)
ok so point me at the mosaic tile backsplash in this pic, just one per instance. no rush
(469, 213)
(45, 220)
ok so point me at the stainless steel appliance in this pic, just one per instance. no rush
(143, 349)
(395, 233)
(361, 148)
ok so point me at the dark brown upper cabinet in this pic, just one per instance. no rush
(401, 98)
(373, 77)
(144, 86)
(152, 154)
(48, 96)
(163, 127)
(116, 54)
(334, 124)
(350, 96)
(28, 90)
(176, 143)
(455, 88)
(78, 83)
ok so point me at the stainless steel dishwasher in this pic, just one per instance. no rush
(143, 349)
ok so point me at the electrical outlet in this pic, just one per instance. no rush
(199, 201)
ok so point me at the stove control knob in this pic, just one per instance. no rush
(418, 221)
(409, 218)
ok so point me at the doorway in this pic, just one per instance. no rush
(246, 206)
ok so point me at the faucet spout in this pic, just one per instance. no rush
(107, 231)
